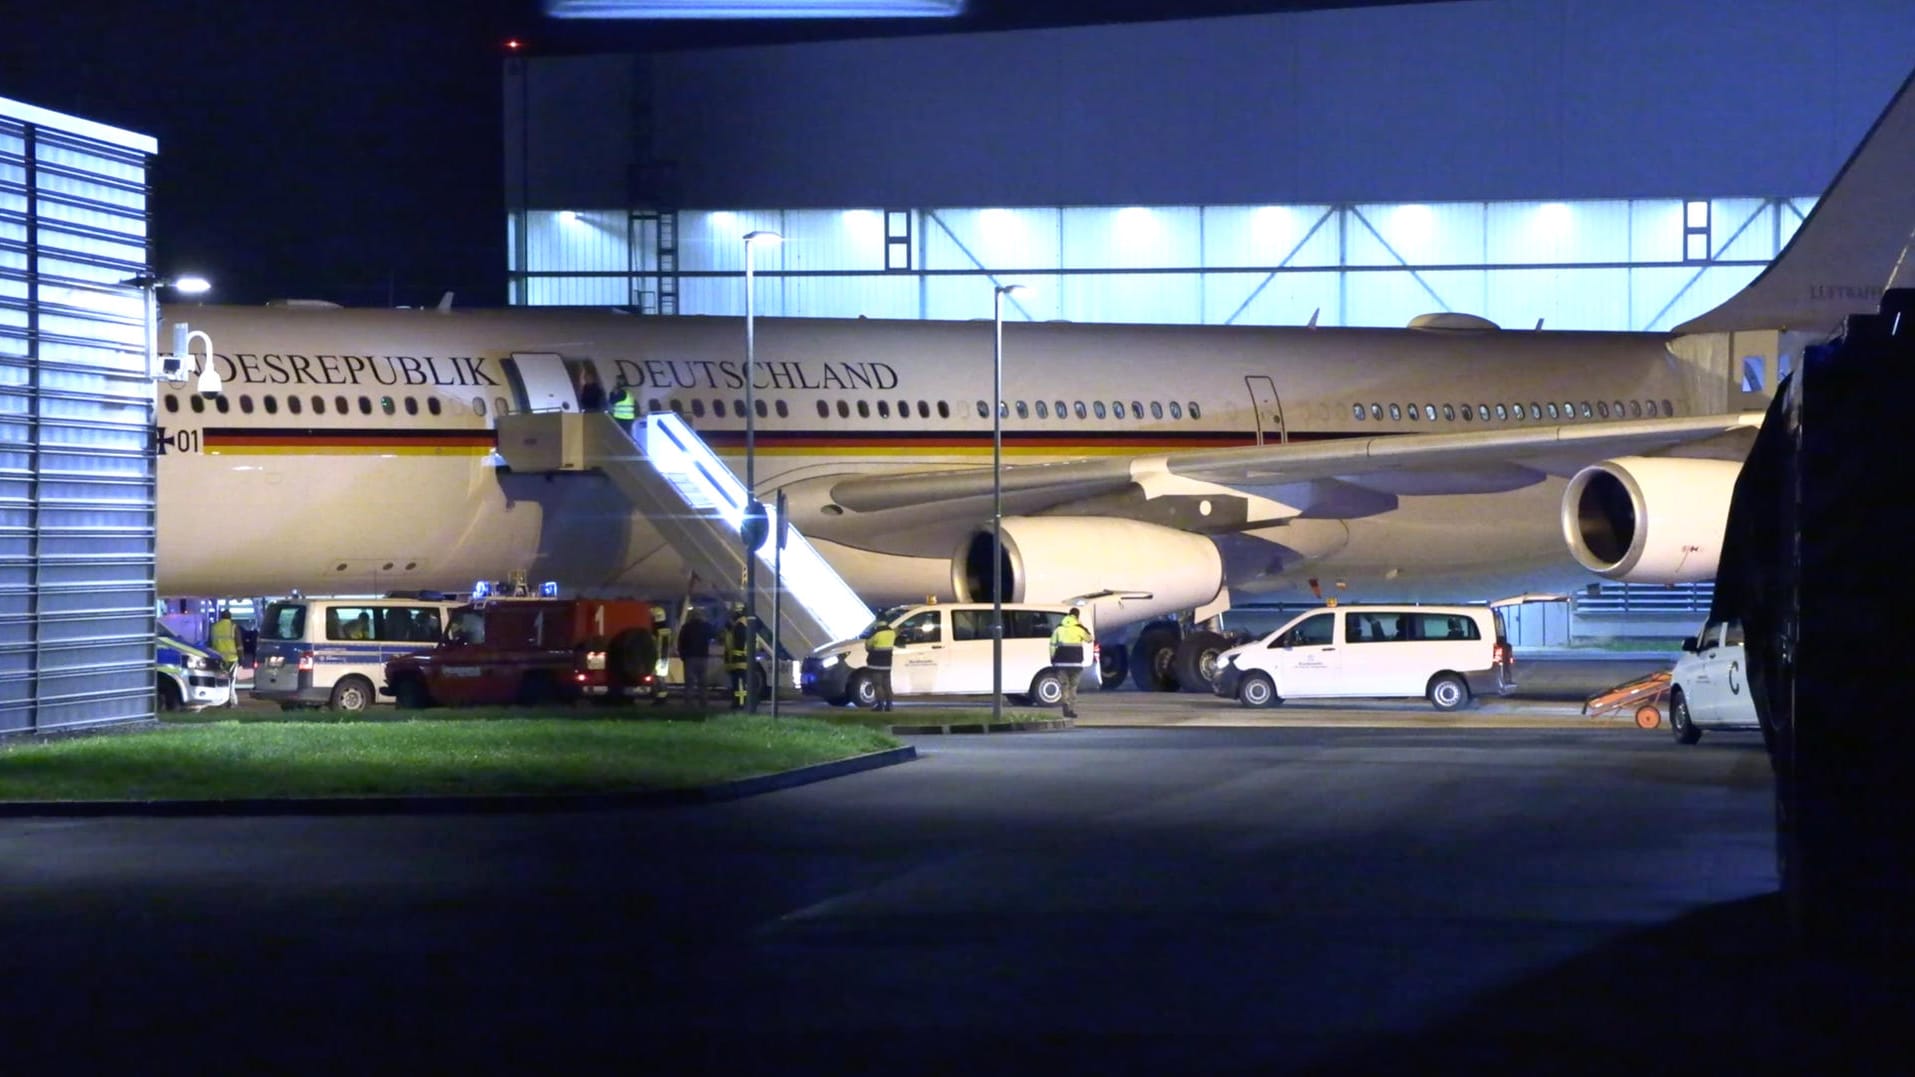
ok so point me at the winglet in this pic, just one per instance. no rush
(1313, 317)
(445, 303)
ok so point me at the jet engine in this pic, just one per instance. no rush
(1646, 519)
(1056, 558)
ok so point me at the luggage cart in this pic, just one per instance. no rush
(1645, 697)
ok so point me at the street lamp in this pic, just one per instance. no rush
(997, 497)
(149, 285)
(753, 509)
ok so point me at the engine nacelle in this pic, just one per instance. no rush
(1057, 558)
(1647, 519)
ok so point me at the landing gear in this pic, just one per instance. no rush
(1195, 662)
(1152, 658)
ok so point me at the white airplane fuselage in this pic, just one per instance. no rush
(351, 450)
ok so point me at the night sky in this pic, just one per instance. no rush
(351, 150)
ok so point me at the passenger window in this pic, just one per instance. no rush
(1080, 410)
(1376, 411)
(1732, 634)
(272, 403)
(884, 409)
(944, 409)
(387, 406)
(1650, 407)
(783, 412)
(678, 407)
(1023, 410)
(1587, 411)
(1535, 410)
(864, 409)
(198, 403)
(432, 404)
(1396, 412)
(970, 625)
(478, 406)
(246, 403)
(1668, 409)
(1003, 410)
(223, 404)
(924, 410)
(501, 406)
(844, 410)
(1136, 409)
(983, 409)
(319, 404)
(172, 403)
(349, 623)
(1195, 411)
(1429, 412)
(1635, 409)
(1469, 413)
(1617, 408)
(1156, 409)
(1097, 406)
(921, 628)
(1043, 410)
(824, 410)
(1552, 409)
(1411, 408)
(341, 405)
(1602, 408)
(1313, 631)
(1117, 409)
(1176, 410)
(295, 405)
(412, 405)
(1356, 412)
(1449, 413)
(698, 407)
(718, 410)
(1441, 626)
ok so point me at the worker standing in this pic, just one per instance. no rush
(738, 657)
(1070, 653)
(694, 654)
(224, 640)
(624, 406)
(877, 659)
(662, 669)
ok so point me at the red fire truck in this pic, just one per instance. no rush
(531, 650)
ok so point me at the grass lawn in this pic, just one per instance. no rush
(580, 750)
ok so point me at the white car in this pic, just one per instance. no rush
(1709, 688)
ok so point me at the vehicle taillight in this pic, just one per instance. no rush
(305, 661)
(1505, 656)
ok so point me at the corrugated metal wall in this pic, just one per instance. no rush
(77, 497)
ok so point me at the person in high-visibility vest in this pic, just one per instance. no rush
(624, 405)
(877, 659)
(661, 670)
(738, 657)
(224, 640)
(1070, 653)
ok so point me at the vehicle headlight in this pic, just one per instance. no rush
(831, 660)
(194, 661)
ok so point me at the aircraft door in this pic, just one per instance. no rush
(1269, 410)
(540, 382)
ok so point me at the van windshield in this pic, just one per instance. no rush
(884, 618)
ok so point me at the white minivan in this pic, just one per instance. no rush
(1709, 686)
(945, 649)
(332, 652)
(1446, 654)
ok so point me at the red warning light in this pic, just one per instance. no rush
(513, 44)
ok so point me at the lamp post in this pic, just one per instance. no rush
(997, 497)
(752, 506)
(149, 284)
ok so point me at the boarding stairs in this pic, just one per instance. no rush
(685, 491)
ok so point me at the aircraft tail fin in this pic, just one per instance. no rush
(1841, 258)
(445, 303)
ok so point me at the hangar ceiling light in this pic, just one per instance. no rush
(752, 9)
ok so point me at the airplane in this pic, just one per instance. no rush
(353, 450)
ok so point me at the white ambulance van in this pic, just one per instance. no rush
(1446, 654)
(945, 649)
(332, 652)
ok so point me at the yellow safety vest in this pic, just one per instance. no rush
(224, 639)
(624, 406)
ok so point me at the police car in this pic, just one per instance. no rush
(188, 677)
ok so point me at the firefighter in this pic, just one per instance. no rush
(661, 671)
(738, 656)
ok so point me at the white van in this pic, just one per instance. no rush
(332, 652)
(1446, 654)
(945, 649)
(1710, 688)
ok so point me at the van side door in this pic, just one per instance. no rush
(1306, 658)
(919, 652)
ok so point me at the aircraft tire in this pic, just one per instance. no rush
(169, 694)
(1196, 661)
(1152, 666)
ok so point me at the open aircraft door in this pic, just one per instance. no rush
(540, 382)
(1263, 397)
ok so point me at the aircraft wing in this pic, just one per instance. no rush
(1317, 477)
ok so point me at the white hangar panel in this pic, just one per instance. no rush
(970, 239)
